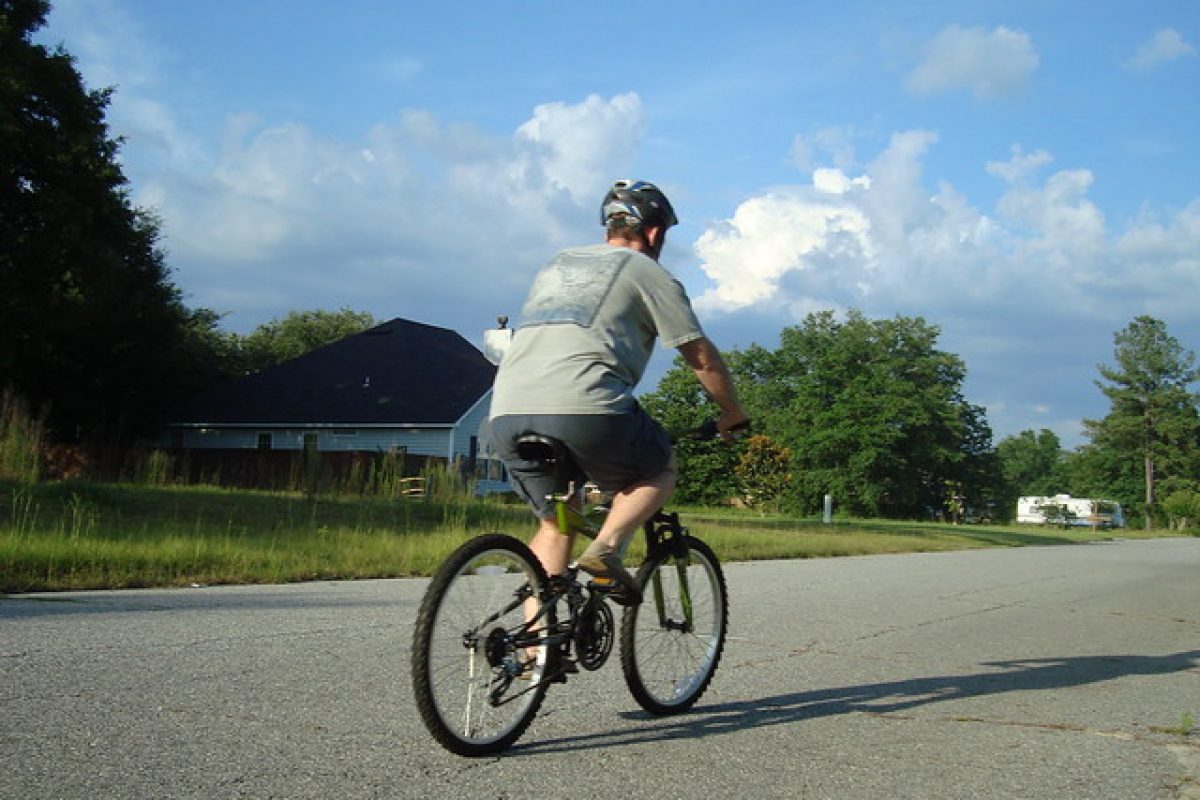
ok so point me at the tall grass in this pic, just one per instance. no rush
(83, 535)
(74, 535)
(21, 434)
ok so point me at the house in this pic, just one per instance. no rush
(401, 388)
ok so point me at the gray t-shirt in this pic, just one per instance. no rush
(587, 330)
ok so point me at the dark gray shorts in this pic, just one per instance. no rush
(613, 450)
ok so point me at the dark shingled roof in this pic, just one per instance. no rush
(400, 372)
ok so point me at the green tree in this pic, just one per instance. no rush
(1030, 463)
(872, 412)
(298, 333)
(1154, 421)
(92, 332)
(706, 468)
(1103, 472)
(1182, 504)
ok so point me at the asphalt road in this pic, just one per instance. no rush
(1059, 672)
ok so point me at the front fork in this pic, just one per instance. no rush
(675, 544)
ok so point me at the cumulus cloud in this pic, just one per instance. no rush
(281, 213)
(1026, 292)
(266, 215)
(1020, 166)
(775, 234)
(1166, 45)
(832, 145)
(884, 242)
(578, 144)
(991, 64)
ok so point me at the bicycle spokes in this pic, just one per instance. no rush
(670, 646)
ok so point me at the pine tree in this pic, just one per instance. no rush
(1154, 414)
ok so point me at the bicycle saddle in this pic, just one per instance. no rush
(536, 447)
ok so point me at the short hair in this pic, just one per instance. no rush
(622, 225)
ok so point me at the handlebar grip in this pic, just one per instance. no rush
(708, 431)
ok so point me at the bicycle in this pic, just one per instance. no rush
(494, 631)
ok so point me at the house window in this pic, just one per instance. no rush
(264, 441)
(490, 469)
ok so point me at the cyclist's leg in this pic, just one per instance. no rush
(535, 481)
(630, 455)
(635, 504)
(551, 546)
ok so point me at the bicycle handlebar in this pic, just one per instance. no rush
(708, 431)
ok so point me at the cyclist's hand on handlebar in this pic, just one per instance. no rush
(733, 426)
(712, 430)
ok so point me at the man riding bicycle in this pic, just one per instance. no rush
(585, 334)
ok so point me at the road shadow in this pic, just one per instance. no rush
(875, 698)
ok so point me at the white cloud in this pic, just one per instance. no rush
(1166, 45)
(1028, 294)
(989, 64)
(112, 50)
(281, 213)
(833, 145)
(577, 145)
(772, 235)
(885, 243)
(1020, 166)
(834, 181)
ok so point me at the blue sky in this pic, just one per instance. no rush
(1025, 175)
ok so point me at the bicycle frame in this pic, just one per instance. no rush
(465, 672)
(663, 531)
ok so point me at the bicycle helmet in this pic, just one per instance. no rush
(639, 200)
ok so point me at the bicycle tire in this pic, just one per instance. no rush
(667, 667)
(464, 653)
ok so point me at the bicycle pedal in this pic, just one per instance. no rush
(613, 591)
(560, 670)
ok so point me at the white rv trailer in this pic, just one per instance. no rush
(1062, 509)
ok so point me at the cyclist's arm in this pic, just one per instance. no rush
(705, 360)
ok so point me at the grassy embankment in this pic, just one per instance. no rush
(80, 535)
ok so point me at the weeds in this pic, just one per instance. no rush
(21, 435)
(1187, 724)
(83, 535)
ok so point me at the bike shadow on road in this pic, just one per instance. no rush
(1021, 675)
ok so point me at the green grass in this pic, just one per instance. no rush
(86, 536)
(80, 535)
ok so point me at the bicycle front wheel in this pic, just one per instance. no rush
(477, 660)
(671, 643)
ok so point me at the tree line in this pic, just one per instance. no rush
(96, 339)
(872, 413)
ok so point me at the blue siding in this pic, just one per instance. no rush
(417, 441)
(443, 442)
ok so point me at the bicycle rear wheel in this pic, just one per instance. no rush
(672, 642)
(477, 666)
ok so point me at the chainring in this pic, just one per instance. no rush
(594, 633)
